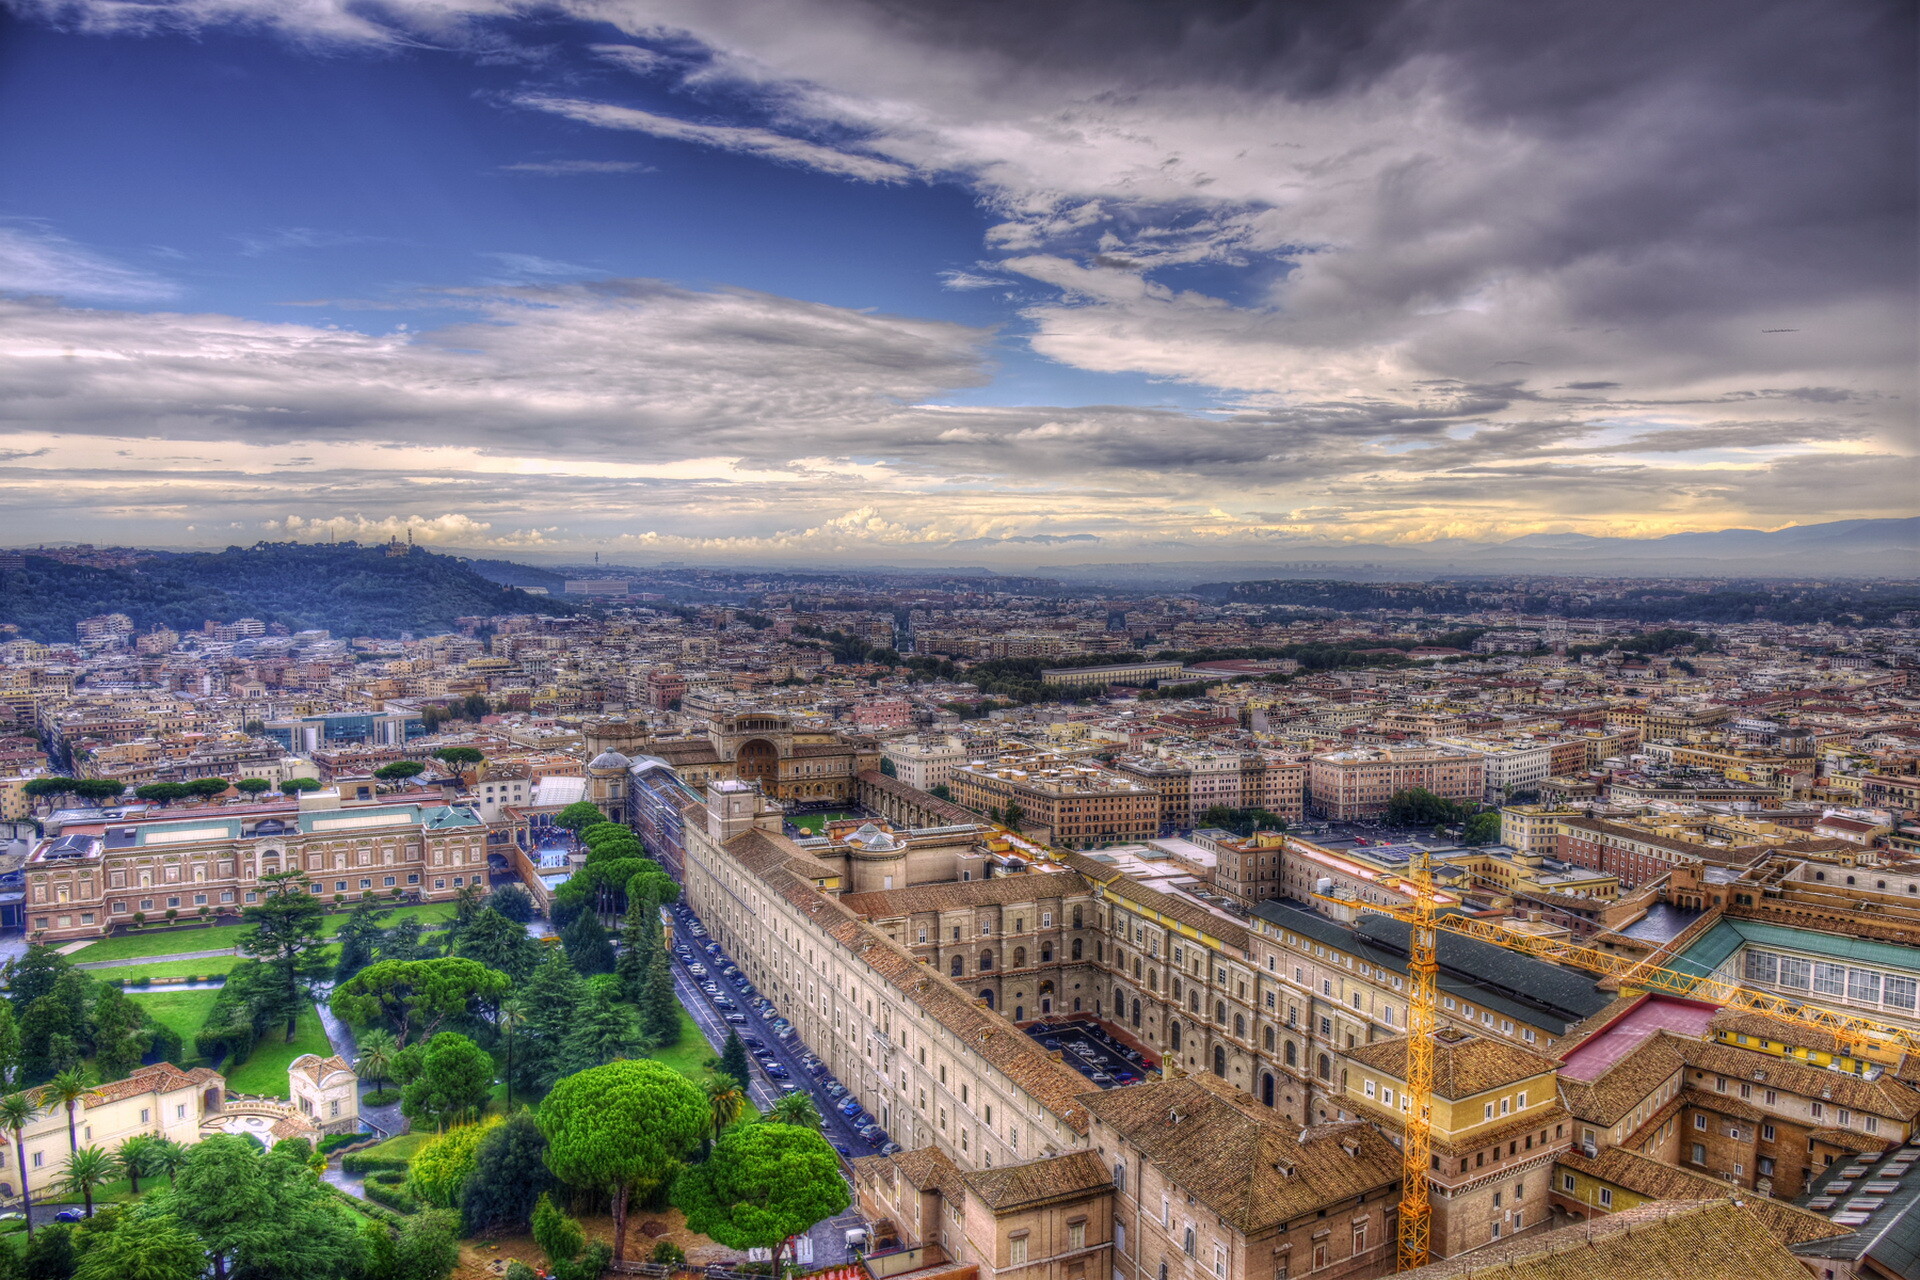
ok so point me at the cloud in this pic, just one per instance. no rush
(528, 266)
(764, 143)
(293, 239)
(36, 260)
(957, 279)
(577, 168)
(632, 57)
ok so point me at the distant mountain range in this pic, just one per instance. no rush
(347, 589)
(1839, 549)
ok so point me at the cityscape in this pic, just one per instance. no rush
(855, 640)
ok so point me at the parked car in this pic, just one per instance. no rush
(752, 1042)
(775, 1070)
(849, 1106)
(67, 1215)
(697, 970)
(890, 1148)
(841, 1147)
(737, 1019)
(721, 1002)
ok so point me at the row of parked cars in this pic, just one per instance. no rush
(708, 965)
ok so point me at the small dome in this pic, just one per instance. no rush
(609, 760)
(873, 839)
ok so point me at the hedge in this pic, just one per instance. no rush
(367, 1162)
(392, 1197)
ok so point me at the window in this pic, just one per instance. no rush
(1766, 1133)
(1186, 1242)
(1566, 1182)
(1017, 1251)
(1699, 1153)
(1700, 1122)
(1076, 1235)
(1359, 1237)
(1606, 1197)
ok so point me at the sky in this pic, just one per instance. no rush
(975, 282)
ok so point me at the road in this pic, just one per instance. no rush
(828, 1238)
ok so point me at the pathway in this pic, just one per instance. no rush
(172, 955)
(386, 1120)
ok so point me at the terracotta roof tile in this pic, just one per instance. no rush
(1461, 1068)
(1643, 1175)
(1665, 1240)
(1239, 1158)
(952, 895)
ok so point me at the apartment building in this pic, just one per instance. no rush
(923, 762)
(1344, 785)
(1063, 801)
(1192, 780)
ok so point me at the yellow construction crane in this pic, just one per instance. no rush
(1866, 1039)
(1416, 1144)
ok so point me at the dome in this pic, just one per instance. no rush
(873, 840)
(609, 760)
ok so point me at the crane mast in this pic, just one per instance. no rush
(1416, 1147)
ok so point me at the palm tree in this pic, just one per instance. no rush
(795, 1108)
(137, 1157)
(69, 1088)
(17, 1111)
(375, 1062)
(88, 1168)
(170, 1156)
(726, 1099)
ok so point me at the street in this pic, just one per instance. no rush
(828, 1238)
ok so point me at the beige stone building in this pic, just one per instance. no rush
(1344, 785)
(326, 1091)
(1062, 801)
(95, 875)
(160, 1099)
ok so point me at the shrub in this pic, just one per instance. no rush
(668, 1252)
(439, 1171)
(142, 981)
(334, 1141)
(367, 1162)
(380, 1097)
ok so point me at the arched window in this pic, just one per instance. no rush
(1153, 979)
(1219, 1061)
(987, 995)
(986, 961)
(1046, 988)
(1076, 948)
(1293, 1054)
(1019, 957)
(1193, 1000)
(1239, 1026)
(1173, 1033)
(1077, 918)
(1266, 1087)
(1046, 953)
(1120, 1175)
(958, 967)
(1326, 1067)
(1136, 1013)
(1220, 1012)
(1269, 1039)
(1163, 1270)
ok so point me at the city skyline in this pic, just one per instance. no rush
(760, 283)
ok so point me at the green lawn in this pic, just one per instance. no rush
(689, 1057)
(404, 1147)
(185, 1011)
(813, 823)
(223, 936)
(205, 967)
(265, 1072)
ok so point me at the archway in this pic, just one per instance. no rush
(1220, 1062)
(758, 761)
(1266, 1087)
(987, 995)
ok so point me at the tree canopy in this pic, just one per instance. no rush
(414, 997)
(763, 1184)
(455, 1080)
(622, 1129)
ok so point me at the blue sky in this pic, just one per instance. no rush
(263, 179)
(823, 278)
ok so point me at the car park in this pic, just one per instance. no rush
(721, 1002)
(697, 970)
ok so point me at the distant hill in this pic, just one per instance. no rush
(347, 589)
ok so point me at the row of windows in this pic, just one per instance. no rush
(1823, 978)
